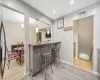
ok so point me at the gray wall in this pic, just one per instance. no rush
(66, 38)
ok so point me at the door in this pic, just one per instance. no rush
(85, 35)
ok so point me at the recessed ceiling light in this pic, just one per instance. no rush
(54, 11)
(72, 2)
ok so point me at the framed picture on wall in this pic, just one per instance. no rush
(60, 23)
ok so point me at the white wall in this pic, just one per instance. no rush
(32, 35)
(14, 33)
(66, 38)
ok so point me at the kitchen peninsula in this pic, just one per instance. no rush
(35, 52)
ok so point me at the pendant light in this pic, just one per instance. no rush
(48, 32)
(37, 30)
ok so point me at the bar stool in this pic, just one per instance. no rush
(46, 55)
(56, 50)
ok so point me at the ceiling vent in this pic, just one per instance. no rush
(82, 12)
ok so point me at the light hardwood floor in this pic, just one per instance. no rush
(64, 72)
(16, 72)
(83, 64)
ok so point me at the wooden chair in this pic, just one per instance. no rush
(11, 55)
(17, 53)
(20, 48)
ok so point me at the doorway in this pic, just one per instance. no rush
(83, 43)
(14, 30)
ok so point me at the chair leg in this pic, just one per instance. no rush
(51, 68)
(51, 64)
(59, 58)
(20, 60)
(17, 59)
(8, 63)
(45, 68)
(57, 62)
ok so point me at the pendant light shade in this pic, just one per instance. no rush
(37, 30)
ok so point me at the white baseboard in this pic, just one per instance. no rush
(93, 72)
(27, 73)
(96, 73)
(63, 61)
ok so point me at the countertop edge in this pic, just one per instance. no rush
(43, 44)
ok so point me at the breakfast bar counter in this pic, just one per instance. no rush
(35, 59)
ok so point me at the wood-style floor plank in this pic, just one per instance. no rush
(84, 64)
(64, 72)
(16, 72)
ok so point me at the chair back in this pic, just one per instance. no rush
(20, 46)
(49, 48)
(58, 45)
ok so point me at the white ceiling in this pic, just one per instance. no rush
(37, 24)
(15, 17)
(9, 15)
(62, 7)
